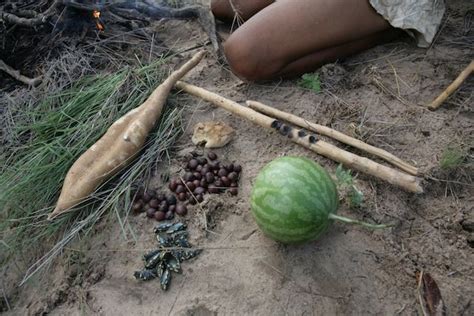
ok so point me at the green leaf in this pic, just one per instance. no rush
(310, 81)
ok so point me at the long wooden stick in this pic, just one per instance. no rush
(395, 177)
(324, 130)
(452, 87)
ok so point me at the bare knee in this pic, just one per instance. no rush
(247, 60)
(222, 10)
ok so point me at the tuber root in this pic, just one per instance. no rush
(118, 146)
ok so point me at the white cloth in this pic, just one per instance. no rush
(419, 18)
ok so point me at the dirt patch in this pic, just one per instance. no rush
(376, 96)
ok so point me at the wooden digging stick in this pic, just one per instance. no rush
(324, 130)
(395, 177)
(452, 87)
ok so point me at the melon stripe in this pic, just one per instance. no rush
(292, 198)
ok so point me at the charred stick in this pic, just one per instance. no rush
(452, 87)
(326, 131)
(18, 76)
(40, 18)
(395, 177)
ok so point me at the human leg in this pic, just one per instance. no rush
(290, 37)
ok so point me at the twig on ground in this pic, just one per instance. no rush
(18, 76)
(39, 18)
(343, 138)
(452, 87)
(395, 177)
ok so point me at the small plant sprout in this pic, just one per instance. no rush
(310, 81)
(346, 180)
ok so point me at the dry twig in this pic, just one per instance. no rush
(452, 87)
(18, 76)
(324, 130)
(395, 177)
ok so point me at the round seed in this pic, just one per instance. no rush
(230, 167)
(199, 198)
(233, 176)
(205, 170)
(212, 156)
(199, 168)
(238, 168)
(196, 183)
(150, 212)
(154, 203)
(192, 164)
(210, 177)
(180, 189)
(218, 183)
(234, 185)
(202, 160)
(146, 197)
(172, 208)
(169, 215)
(234, 191)
(181, 209)
(225, 181)
(170, 199)
(160, 197)
(192, 201)
(197, 175)
(173, 185)
(188, 176)
(190, 186)
(199, 190)
(159, 216)
(182, 196)
(222, 172)
(203, 183)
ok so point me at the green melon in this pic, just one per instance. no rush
(292, 199)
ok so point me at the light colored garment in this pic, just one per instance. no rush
(419, 18)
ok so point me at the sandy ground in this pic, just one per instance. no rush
(376, 96)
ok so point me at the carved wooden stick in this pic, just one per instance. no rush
(324, 130)
(401, 179)
(452, 87)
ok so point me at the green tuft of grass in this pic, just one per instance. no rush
(452, 158)
(346, 180)
(310, 81)
(51, 135)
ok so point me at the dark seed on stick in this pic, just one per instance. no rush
(284, 129)
(312, 139)
(225, 181)
(222, 172)
(180, 189)
(199, 190)
(188, 176)
(238, 168)
(210, 177)
(234, 191)
(169, 215)
(159, 216)
(154, 203)
(190, 186)
(181, 209)
(233, 176)
(301, 133)
(276, 124)
(171, 199)
(182, 196)
(192, 164)
(150, 212)
(212, 156)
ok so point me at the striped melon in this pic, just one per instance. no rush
(292, 199)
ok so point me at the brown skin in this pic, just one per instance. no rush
(286, 38)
